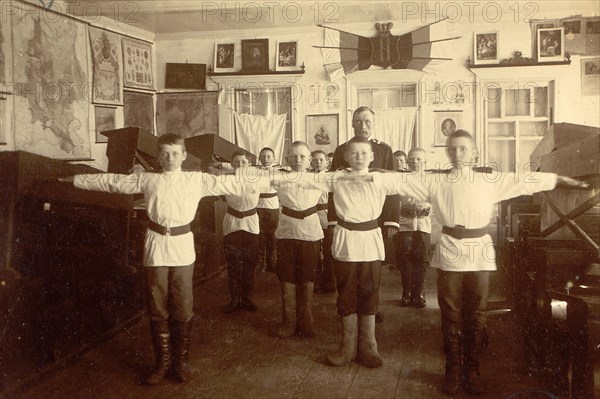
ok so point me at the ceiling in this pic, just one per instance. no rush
(175, 16)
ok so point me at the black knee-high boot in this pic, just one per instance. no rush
(162, 351)
(181, 333)
(453, 354)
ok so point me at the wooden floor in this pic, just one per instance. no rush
(236, 356)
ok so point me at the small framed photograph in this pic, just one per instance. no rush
(537, 24)
(445, 122)
(590, 76)
(322, 132)
(185, 76)
(551, 44)
(255, 55)
(224, 57)
(287, 56)
(105, 120)
(485, 48)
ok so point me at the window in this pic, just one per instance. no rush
(516, 117)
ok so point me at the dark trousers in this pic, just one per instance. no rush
(463, 297)
(297, 260)
(358, 287)
(325, 278)
(412, 258)
(241, 253)
(170, 292)
(268, 220)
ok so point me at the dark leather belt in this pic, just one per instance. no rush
(461, 232)
(321, 207)
(240, 214)
(169, 231)
(361, 226)
(298, 214)
(267, 195)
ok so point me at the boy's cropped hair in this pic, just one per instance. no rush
(238, 153)
(399, 153)
(460, 133)
(171, 139)
(266, 149)
(359, 140)
(300, 144)
(361, 109)
(315, 152)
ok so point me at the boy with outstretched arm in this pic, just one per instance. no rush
(171, 198)
(463, 200)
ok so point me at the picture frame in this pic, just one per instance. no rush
(255, 55)
(590, 76)
(322, 132)
(485, 48)
(574, 29)
(537, 24)
(224, 57)
(138, 62)
(551, 44)
(104, 120)
(185, 76)
(287, 55)
(445, 122)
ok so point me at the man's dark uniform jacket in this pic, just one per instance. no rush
(383, 159)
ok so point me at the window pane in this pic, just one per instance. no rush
(379, 99)
(533, 128)
(365, 97)
(540, 100)
(517, 102)
(502, 153)
(501, 129)
(494, 102)
(526, 147)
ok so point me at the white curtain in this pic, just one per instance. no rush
(395, 127)
(255, 132)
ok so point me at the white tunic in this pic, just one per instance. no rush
(171, 200)
(272, 202)
(465, 198)
(298, 198)
(355, 203)
(241, 203)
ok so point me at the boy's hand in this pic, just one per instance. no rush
(389, 232)
(568, 182)
(67, 179)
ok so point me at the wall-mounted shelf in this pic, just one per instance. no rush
(245, 73)
(508, 65)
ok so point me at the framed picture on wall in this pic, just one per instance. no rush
(255, 55)
(485, 48)
(537, 24)
(551, 44)
(590, 76)
(287, 56)
(574, 29)
(137, 62)
(224, 60)
(104, 120)
(185, 76)
(445, 122)
(322, 132)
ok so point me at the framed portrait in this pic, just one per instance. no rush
(287, 56)
(445, 122)
(185, 76)
(537, 24)
(137, 62)
(590, 76)
(224, 60)
(592, 36)
(322, 132)
(255, 55)
(485, 48)
(104, 120)
(551, 44)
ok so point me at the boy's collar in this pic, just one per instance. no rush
(171, 172)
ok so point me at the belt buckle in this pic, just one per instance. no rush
(168, 231)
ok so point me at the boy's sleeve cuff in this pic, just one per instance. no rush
(392, 224)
